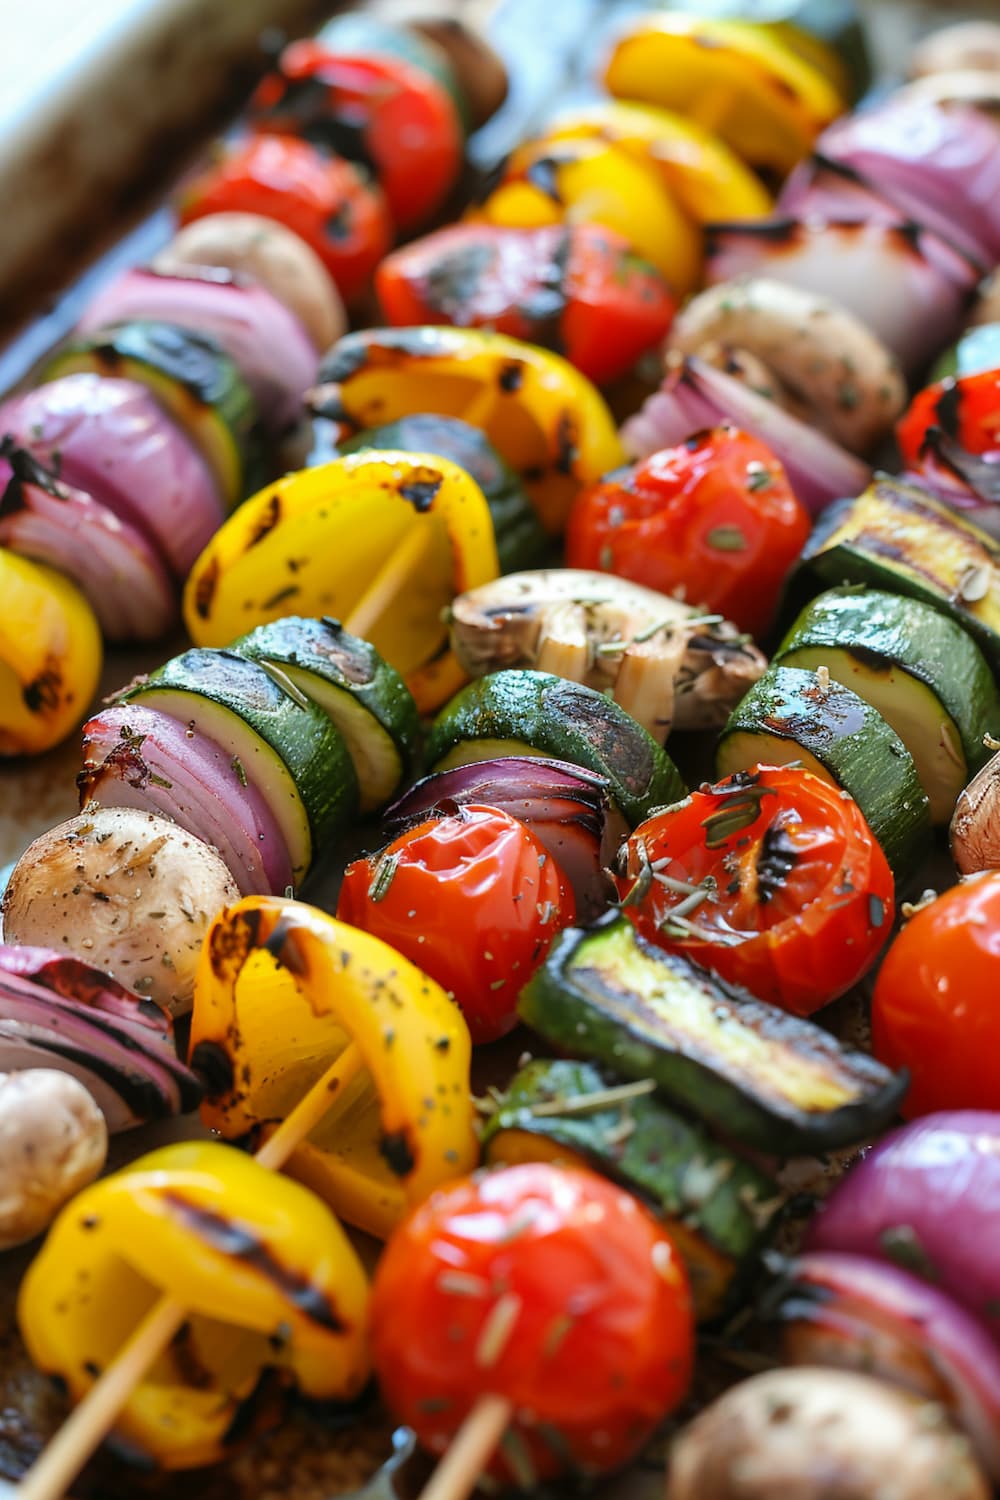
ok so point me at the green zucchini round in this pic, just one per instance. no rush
(537, 713)
(522, 541)
(791, 715)
(923, 673)
(287, 746)
(192, 378)
(366, 700)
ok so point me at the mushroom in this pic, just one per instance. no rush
(128, 891)
(975, 825)
(667, 664)
(270, 254)
(817, 1434)
(965, 45)
(824, 364)
(53, 1142)
(977, 88)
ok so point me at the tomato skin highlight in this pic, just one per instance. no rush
(326, 201)
(473, 899)
(714, 521)
(936, 1003)
(803, 897)
(599, 1345)
(379, 111)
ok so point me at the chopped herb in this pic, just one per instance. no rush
(237, 765)
(383, 877)
(727, 539)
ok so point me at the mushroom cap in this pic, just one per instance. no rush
(53, 1142)
(966, 44)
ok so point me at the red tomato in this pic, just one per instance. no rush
(551, 1287)
(328, 202)
(949, 425)
(379, 111)
(473, 899)
(713, 521)
(936, 1006)
(580, 290)
(784, 888)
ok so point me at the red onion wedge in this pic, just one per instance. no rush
(122, 1061)
(266, 342)
(110, 438)
(567, 808)
(695, 396)
(907, 285)
(113, 564)
(139, 757)
(939, 166)
(830, 190)
(859, 1314)
(72, 979)
(927, 1198)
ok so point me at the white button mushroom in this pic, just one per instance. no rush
(125, 890)
(53, 1142)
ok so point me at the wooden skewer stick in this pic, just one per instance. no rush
(89, 1424)
(385, 586)
(457, 1475)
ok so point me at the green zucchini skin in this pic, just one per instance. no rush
(789, 714)
(767, 1079)
(862, 635)
(721, 1209)
(365, 698)
(522, 541)
(195, 380)
(302, 739)
(897, 537)
(565, 720)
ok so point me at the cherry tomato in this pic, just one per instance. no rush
(713, 521)
(936, 1006)
(328, 202)
(951, 432)
(578, 289)
(379, 111)
(473, 899)
(549, 1286)
(774, 880)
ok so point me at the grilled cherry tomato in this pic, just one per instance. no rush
(382, 112)
(330, 203)
(578, 289)
(713, 521)
(550, 1287)
(473, 899)
(951, 432)
(935, 1009)
(772, 878)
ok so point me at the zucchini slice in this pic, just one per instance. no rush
(288, 745)
(718, 1208)
(522, 541)
(897, 537)
(537, 713)
(365, 698)
(794, 715)
(191, 377)
(767, 1079)
(923, 673)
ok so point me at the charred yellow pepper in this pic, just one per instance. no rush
(383, 541)
(282, 990)
(544, 417)
(701, 173)
(588, 181)
(737, 79)
(50, 656)
(271, 1281)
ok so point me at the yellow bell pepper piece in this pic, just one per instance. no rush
(268, 1275)
(703, 175)
(382, 540)
(282, 990)
(588, 181)
(734, 78)
(544, 417)
(50, 656)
